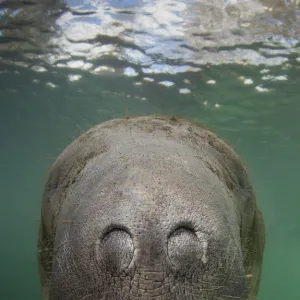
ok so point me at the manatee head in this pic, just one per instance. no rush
(150, 208)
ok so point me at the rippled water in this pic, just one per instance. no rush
(148, 37)
(233, 65)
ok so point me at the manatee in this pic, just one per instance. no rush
(150, 207)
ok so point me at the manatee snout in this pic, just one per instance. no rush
(149, 208)
(180, 249)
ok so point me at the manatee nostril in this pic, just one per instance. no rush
(185, 249)
(114, 250)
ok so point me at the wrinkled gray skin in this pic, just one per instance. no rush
(149, 208)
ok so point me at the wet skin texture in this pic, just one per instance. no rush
(149, 208)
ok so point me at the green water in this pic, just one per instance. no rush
(49, 97)
(38, 121)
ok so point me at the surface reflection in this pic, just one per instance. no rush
(154, 36)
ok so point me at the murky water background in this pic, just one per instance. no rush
(66, 66)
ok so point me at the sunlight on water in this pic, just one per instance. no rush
(233, 65)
